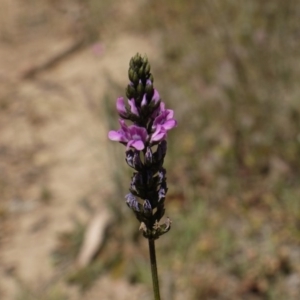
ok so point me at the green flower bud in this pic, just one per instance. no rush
(151, 78)
(131, 74)
(137, 60)
(131, 63)
(149, 90)
(145, 59)
(130, 92)
(135, 79)
(147, 68)
(141, 71)
(140, 89)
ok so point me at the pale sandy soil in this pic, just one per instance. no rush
(53, 139)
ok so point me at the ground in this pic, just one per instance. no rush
(53, 137)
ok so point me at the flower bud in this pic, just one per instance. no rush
(131, 63)
(147, 207)
(135, 78)
(147, 68)
(162, 192)
(151, 78)
(149, 90)
(140, 89)
(137, 60)
(121, 108)
(161, 176)
(138, 165)
(130, 91)
(132, 202)
(155, 100)
(148, 157)
(141, 71)
(145, 60)
(144, 101)
(131, 74)
(129, 158)
(161, 150)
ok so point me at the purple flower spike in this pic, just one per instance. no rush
(133, 136)
(121, 107)
(146, 146)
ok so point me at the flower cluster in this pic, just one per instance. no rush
(146, 146)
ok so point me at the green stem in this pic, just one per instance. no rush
(154, 269)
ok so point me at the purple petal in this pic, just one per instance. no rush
(169, 124)
(124, 129)
(162, 106)
(165, 119)
(121, 107)
(138, 133)
(149, 82)
(158, 135)
(170, 114)
(117, 136)
(144, 101)
(156, 96)
(133, 107)
(138, 145)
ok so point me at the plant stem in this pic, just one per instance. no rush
(154, 269)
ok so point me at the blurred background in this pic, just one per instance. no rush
(229, 69)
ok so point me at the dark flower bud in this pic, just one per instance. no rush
(129, 158)
(162, 192)
(138, 165)
(149, 90)
(161, 150)
(159, 212)
(133, 159)
(148, 157)
(147, 207)
(132, 202)
(149, 178)
(136, 181)
(161, 176)
(137, 185)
